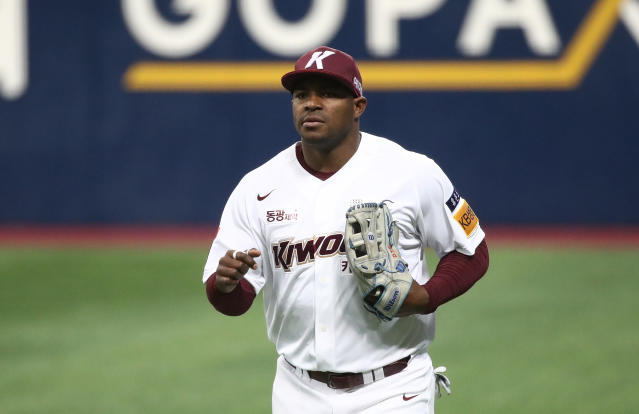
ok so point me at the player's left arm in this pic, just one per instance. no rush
(448, 225)
(455, 274)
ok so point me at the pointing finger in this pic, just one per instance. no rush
(254, 253)
(246, 257)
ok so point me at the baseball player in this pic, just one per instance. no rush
(342, 349)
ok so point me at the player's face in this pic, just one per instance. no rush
(324, 111)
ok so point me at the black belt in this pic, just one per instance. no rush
(342, 380)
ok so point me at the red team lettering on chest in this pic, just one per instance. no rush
(288, 253)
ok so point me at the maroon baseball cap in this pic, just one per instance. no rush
(329, 62)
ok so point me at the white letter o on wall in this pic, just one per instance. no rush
(291, 39)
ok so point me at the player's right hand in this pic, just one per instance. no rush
(231, 270)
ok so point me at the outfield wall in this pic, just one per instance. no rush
(127, 112)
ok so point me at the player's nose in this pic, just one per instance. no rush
(313, 101)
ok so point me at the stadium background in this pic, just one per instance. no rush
(94, 150)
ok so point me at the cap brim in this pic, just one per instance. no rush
(290, 79)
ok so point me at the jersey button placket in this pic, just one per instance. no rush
(324, 309)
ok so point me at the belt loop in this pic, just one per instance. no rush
(301, 372)
(378, 374)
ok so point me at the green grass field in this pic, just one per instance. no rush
(130, 331)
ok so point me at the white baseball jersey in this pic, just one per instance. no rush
(313, 308)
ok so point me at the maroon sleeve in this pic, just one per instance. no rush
(455, 274)
(235, 303)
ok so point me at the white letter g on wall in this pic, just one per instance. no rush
(175, 40)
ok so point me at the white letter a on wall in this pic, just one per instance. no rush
(485, 17)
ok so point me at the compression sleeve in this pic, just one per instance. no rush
(234, 303)
(455, 274)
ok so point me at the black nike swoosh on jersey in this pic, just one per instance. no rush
(260, 198)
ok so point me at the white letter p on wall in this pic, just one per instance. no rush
(13, 48)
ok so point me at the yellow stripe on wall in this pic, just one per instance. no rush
(564, 73)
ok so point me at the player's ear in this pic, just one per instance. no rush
(359, 105)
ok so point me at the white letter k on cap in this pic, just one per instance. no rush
(317, 59)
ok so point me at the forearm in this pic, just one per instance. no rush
(234, 303)
(455, 274)
(416, 301)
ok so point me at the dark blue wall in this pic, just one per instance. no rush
(77, 147)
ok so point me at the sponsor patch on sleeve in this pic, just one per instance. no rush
(466, 218)
(453, 200)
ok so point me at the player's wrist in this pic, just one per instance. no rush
(234, 302)
(416, 301)
(225, 287)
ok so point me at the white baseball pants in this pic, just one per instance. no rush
(409, 391)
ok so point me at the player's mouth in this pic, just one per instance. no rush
(312, 121)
